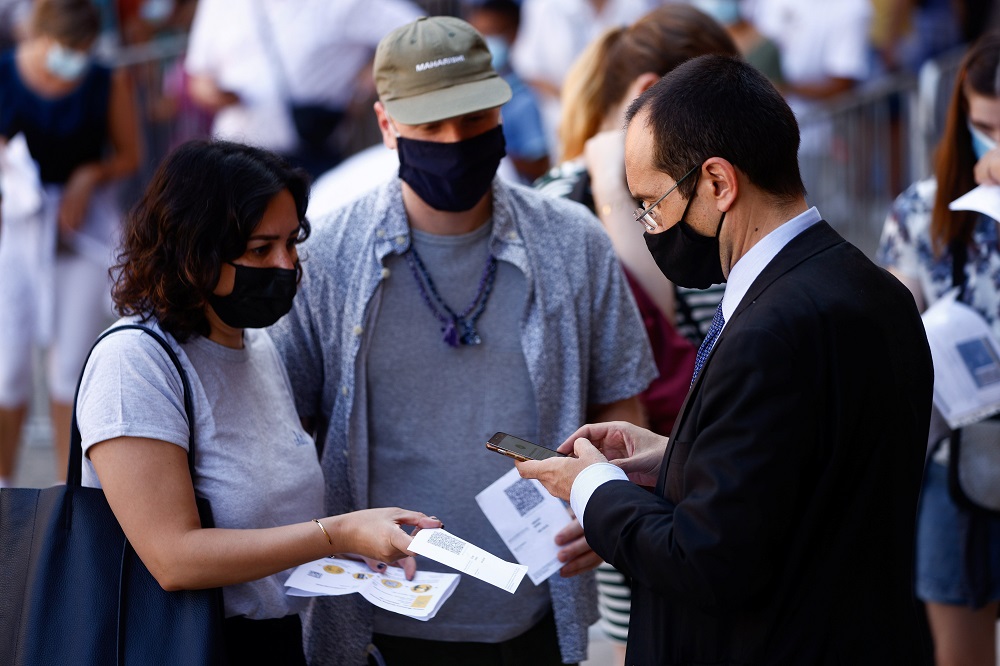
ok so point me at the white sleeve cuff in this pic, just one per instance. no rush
(588, 481)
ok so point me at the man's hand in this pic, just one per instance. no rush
(637, 451)
(558, 474)
(577, 554)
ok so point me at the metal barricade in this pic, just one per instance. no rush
(855, 157)
(861, 150)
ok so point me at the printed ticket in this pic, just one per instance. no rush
(459, 554)
(527, 518)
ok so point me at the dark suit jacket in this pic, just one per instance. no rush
(782, 527)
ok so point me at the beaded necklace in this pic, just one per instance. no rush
(456, 328)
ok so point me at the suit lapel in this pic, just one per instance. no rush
(817, 238)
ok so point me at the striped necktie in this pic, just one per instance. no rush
(718, 321)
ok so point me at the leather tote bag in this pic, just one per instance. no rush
(72, 589)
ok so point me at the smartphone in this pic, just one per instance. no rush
(519, 449)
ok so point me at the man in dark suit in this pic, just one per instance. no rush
(781, 526)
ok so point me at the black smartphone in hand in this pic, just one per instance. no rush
(519, 449)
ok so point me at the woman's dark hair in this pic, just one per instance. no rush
(202, 205)
(74, 23)
(721, 106)
(978, 74)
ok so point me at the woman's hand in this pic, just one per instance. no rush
(376, 533)
(987, 170)
(604, 156)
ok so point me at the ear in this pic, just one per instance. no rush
(720, 175)
(643, 82)
(388, 133)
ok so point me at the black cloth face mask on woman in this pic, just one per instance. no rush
(260, 296)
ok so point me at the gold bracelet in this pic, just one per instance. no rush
(325, 533)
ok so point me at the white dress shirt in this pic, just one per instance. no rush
(741, 277)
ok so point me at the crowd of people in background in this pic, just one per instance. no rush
(550, 85)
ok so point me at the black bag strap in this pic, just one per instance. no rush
(959, 257)
(75, 472)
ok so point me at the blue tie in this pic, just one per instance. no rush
(706, 345)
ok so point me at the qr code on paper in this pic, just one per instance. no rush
(523, 495)
(447, 542)
(314, 574)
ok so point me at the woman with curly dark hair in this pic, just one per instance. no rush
(208, 260)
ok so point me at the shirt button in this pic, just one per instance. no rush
(380, 233)
(386, 273)
(358, 330)
(346, 455)
(343, 390)
(512, 236)
(400, 240)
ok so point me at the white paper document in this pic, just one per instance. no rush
(527, 518)
(966, 362)
(461, 555)
(983, 199)
(419, 598)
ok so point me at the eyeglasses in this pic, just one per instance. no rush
(645, 217)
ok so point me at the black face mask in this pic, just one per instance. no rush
(260, 297)
(451, 176)
(685, 257)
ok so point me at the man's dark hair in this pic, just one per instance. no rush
(721, 106)
(201, 207)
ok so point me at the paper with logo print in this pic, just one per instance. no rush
(527, 518)
(459, 554)
(419, 598)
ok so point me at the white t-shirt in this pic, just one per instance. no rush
(818, 39)
(254, 463)
(323, 45)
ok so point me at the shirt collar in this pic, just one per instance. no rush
(759, 256)
(506, 242)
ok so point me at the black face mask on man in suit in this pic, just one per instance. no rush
(684, 256)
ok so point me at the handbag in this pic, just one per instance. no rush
(73, 590)
(314, 123)
(973, 450)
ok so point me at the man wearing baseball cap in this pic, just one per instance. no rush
(444, 306)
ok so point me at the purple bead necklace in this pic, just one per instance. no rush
(456, 328)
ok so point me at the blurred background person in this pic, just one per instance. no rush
(527, 149)
(958, 551)
(281, 75)
(209, 259)
(824, 46)
(825, 53)
(79, 121)
(610, 73)
(553, 33)
(756, 49)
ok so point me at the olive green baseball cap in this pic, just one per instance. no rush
(435, 68)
